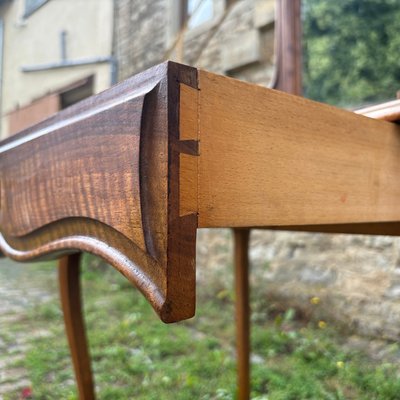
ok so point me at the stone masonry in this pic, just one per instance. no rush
(238, 41)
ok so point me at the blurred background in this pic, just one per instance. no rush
(325, 308)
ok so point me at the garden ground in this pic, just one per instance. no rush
(295, 356)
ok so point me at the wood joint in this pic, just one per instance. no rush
(189, 147)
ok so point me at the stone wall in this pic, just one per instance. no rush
(356, 278)
(139, 35)
(238, 41)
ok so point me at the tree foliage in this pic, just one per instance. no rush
(351, 50)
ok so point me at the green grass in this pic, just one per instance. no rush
(137, 356)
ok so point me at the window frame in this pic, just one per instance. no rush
(176, 20)
(185, 4)
(218, 9)
(28, 11)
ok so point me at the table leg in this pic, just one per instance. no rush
(70, 292)
(241, 259)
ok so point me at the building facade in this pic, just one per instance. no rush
(54, 53)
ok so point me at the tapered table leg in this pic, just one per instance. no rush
(69, 272)
(241, 256)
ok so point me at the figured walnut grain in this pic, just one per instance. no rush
(103, 176)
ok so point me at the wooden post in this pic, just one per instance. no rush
(288, 46)
(70, 293)
(241, 249)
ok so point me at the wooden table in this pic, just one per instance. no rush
(131, 173)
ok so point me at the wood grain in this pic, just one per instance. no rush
(189, 131)
(103, 176)
(181, 241)
(271, 159)
(90, 167)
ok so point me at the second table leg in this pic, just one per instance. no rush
(69, 279)
(241, 261)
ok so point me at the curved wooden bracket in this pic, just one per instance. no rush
(103, 176)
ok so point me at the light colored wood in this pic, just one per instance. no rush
(269, 159)
(188, 121)
(389, 111)
(188, 130)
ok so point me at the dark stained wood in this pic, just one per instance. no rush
(288, 68)
(70, 293)
(241, 260)
(103, 176)
(371, 228)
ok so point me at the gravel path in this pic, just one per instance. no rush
(21, 288)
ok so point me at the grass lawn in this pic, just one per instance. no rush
(136, 356)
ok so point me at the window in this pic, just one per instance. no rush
(32, 5)
(199, 12)
(189, 18)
